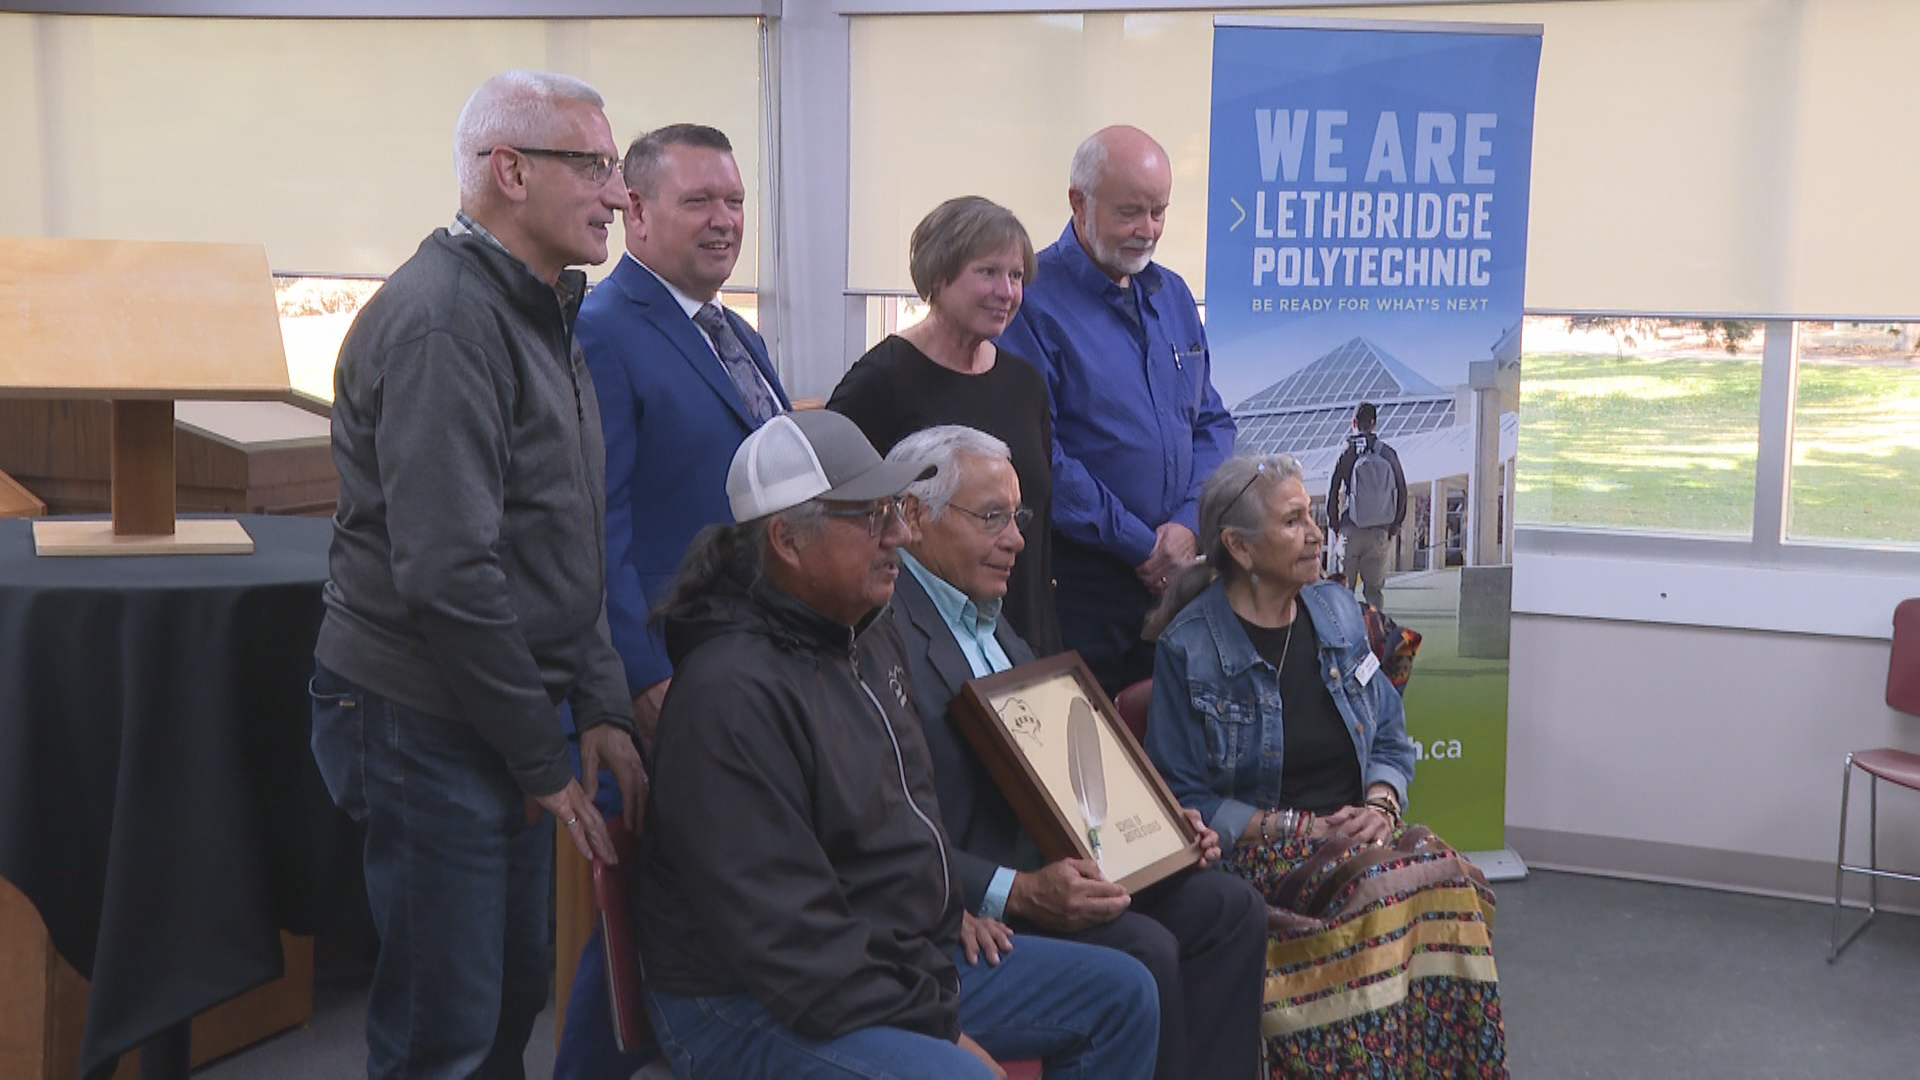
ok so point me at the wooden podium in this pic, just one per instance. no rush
(17, 501)
(139, 324)
(230, 457)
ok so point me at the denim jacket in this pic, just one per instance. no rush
(1215, 731)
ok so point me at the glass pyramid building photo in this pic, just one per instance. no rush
(1311, 409)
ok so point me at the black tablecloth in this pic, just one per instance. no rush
(158, 800)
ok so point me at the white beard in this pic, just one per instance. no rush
(1128, 261)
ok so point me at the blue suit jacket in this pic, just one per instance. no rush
(979, 820)
(672, 421)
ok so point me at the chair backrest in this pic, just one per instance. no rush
(631, 1029)
(1903, 667)
(1132, 705)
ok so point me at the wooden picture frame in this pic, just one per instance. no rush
(1018, 721)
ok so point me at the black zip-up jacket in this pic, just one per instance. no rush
(793, 847)
(467, 577)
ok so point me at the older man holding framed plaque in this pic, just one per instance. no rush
(1201, 934)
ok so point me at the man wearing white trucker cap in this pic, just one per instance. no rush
(797, 908)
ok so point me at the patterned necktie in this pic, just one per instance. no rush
(739, 364)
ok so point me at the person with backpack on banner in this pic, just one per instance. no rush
(1374, 506)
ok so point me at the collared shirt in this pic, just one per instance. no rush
(973, 629)
(692, 307)
(1137, 425)
(465, 225)
(973, 626)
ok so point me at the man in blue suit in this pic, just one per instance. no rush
(681, 382)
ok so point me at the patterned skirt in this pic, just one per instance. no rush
(1379, 960)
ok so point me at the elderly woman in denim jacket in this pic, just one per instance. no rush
(1272, 718)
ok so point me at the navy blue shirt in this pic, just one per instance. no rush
(1137, 426)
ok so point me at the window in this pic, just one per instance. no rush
(1856, 434)
(315, 313)
(1639, 424)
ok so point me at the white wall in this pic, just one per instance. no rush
(1697, 754)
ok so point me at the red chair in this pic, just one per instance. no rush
(1132, 704)
(631, 1028)
(1886, 763)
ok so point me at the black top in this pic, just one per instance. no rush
(1320, 770)
(896, 390)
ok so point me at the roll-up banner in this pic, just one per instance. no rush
(1367, 240)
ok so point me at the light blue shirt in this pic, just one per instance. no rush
(973, 628)
(972, 625)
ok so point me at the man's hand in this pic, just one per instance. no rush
(979, 934)
(573, 808)
(1173, 547)
(609, 745)
(973, 1048)
(646, 712)
(1066, 896)
(1209, 841)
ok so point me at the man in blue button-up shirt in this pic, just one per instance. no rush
(1137, 425)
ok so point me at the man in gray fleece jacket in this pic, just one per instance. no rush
(466, 591)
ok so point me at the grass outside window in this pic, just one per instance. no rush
(1649, 428)
(1856, 435)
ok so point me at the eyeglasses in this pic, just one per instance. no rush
(876, 513)
(993, 521)
(595, 167)
(1258, 471)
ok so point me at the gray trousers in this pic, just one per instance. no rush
(1366, 561)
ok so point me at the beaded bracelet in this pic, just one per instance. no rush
(1266, 819)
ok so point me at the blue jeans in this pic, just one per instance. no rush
(456, 879)
(1090, 1013)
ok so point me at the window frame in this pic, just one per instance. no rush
(1838, 588)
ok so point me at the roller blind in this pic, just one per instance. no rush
(1691, 156)
(330, 141)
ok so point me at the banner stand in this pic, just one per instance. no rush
(1368, 185)
(1502, 865)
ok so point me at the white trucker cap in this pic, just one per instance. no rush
(811, 454)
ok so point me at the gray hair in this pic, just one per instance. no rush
(942, 447)
(1226, 505)
(641, 167)
(1089, 162)
(514, 108)
(958, 231)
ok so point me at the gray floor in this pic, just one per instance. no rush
(1600, 979)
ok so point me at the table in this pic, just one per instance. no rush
(158, 800)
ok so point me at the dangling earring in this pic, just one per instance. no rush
(1254, 577)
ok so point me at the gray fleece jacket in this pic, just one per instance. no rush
(467, 573)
